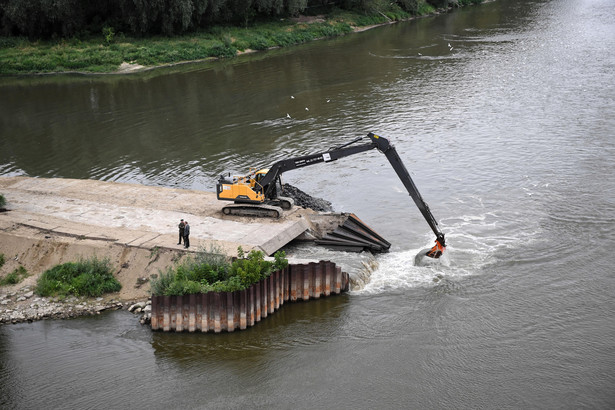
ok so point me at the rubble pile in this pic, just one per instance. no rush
(305, 200)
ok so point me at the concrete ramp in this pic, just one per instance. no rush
(139, 216)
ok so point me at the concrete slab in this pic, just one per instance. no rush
(142, 216)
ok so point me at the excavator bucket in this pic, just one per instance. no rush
(437, 250)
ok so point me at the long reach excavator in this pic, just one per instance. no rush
(257, 194)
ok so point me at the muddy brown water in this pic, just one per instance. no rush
(508, 133)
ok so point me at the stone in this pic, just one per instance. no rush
(28, 295)
(138, 305)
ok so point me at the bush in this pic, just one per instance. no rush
(2, 260)
(2, 201)
(92, 277)
(212, 272)
(14, 277)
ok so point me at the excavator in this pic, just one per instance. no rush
(258, 193)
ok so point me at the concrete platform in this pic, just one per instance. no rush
(139, 216)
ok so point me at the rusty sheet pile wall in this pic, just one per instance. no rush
(218, 311)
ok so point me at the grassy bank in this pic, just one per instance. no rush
(105, 53)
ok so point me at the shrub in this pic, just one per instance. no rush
(211, 271)
(2, 260)
(2, 201)
(14, 277)
(92, 277)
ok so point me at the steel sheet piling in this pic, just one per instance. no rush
(219, 311)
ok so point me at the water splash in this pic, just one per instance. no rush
(475, 241)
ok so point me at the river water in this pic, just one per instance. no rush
(503, 113)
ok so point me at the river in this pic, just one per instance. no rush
(503, 113)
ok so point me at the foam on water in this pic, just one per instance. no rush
(473, 242)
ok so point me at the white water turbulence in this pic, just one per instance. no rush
(473, 243)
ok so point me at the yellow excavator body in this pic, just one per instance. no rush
(242, 188)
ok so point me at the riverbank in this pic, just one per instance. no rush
(22, 305)
(115, 53)
(37, 250)
(119, 54)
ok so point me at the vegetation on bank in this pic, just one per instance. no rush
(14, 277)
(88, 277)
(43, 36)
(212, 271)
(2, 201)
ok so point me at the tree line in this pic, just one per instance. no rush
(44, 19)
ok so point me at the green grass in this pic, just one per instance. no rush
(104, 53)
(211, 271)
(92, 277)
(14, 277)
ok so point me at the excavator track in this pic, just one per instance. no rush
(266, 211)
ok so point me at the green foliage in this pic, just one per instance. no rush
(131, 30)
(108, 34)
(411, 6)
(14, 277)
(164, 280)
(2, 201)
(2, 260)
(425, 8)
(211, 271)
(52, 19)
(91, 277)
(280, 261)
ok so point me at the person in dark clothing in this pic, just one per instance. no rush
(181, 231)
(186, 235)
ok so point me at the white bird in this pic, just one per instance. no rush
(328, 100)
(287, 116)
(292, 96)
(306, 108)
(449, 45)
(420, 54)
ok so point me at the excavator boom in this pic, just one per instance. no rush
(263, 189)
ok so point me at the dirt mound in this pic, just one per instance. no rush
(305, 200)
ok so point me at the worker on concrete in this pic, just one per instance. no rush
(181, 231)
(186, 235)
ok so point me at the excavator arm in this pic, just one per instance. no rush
(391, 153)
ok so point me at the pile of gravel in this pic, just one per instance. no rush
(306, 201)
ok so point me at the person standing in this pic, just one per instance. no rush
(186, 235)
(181, 231)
